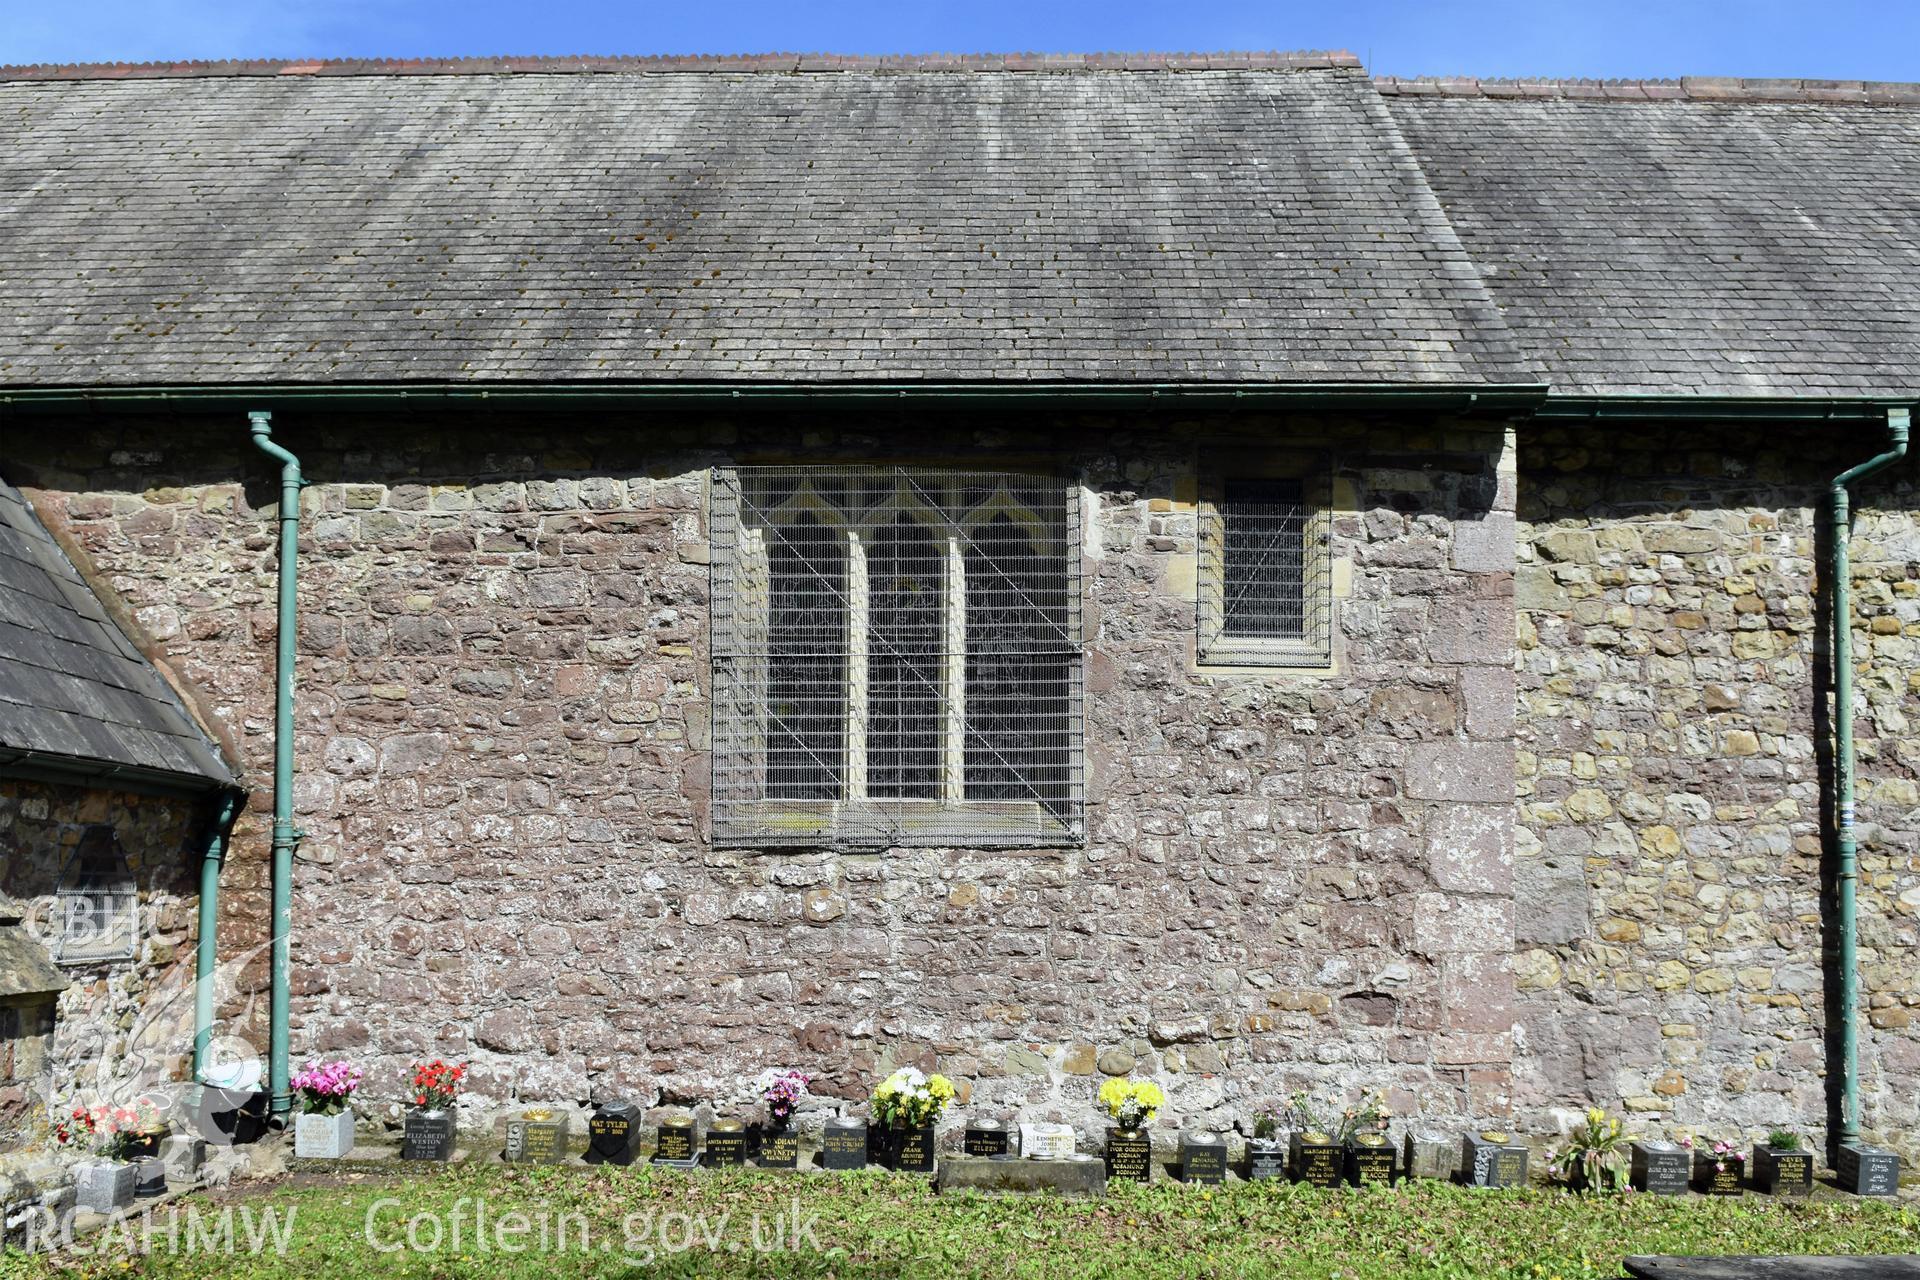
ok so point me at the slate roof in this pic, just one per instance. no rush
(1701, 237)
(1213, 218)
(73, 689)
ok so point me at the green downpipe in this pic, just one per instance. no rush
(285, 838)
(1843, 762)
(207, 958)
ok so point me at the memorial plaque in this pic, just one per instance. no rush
(1867, 1170)
(1493, 1160)
(726, 1144)
(150, 1177)
(1783, 1173)
(985, 1138)
(1319, 1162)
(428, 1136)
(779, 1149)
(843, 1145)
(675, 1145)
(1719, 1176)
(226, 1116)
(1661, 1168)
(613, 1134)
(1203, 1158)
(1265, 1160)
(1129, 1155)
(910, 1150)
(1043, 1141)
(1370, 1161)
(1429, 1153)
(537, 1138)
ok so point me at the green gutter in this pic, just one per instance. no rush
(1715, 408)
(285, 838)
(650, 392)
(1843, 763)
(42, 766)
(207, 957)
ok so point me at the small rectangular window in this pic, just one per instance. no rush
(1265, 587)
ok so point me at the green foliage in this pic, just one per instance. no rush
(1594, 1156)
(876, 1224)
(1318, 1115)
(1784, 1140)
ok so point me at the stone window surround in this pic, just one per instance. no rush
(950, 817)
(1311, 653)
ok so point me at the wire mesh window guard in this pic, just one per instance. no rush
(1266, 581)
(97, 902)
(896, 658)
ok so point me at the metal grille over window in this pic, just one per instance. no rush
(1266, 587)
(97, 902)
(896, 658)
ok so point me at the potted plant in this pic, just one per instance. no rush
(779, 1143)
(118, 1136)
(430, 1120)
(1594, 1155)
(905, 1106)
(1782, 1167)
(324, 1128)
(1317, 1154)
(1132, 1104)
(1266, 1157)
(1719, 1168)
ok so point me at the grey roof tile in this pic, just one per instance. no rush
(1705, 237)
(245, 226)
(71, 684)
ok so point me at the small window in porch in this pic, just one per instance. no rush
(97, 903)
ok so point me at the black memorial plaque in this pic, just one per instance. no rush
(985, 1138)
(1370, 1162)
(1318, 1163)
(1661, 1168)
(910, 1150)
(676, 1141)
(613, 1134)
(1129, 1155)
(1783, 1173)
(779, 1149)
(1488, 1161)
(843, 1145)
(726, 1145)
(428, 1136)
(1719, 1176)
(1203, 1158)
(1868, 1170)
(1266, 1160)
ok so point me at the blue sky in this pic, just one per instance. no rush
(1842, 39)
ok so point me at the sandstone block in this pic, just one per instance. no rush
(1550, 901)
(1478, 772)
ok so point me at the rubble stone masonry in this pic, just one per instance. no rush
(1291, 879)
(1672, 747)
(122, 1022)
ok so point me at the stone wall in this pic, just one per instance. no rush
(122, 1025)
(1291, 880)
(1672, 735)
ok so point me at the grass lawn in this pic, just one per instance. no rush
(639, 1221)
